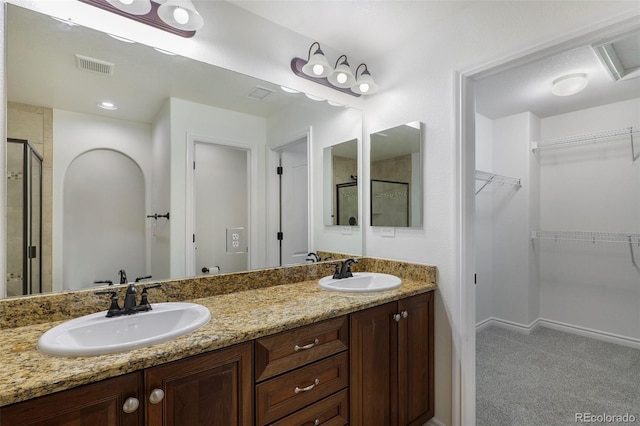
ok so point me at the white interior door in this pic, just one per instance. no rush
(221, 200)
(294, 204)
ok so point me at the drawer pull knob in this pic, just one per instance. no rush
(130, 405)
(156, 396)
(309, 346)
(316, 422)
(396, 317)
(308, 388)
(404, 314)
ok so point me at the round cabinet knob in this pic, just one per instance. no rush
(316, 422)
(130, 405)
(396, 317)
(156, 396)
(404, 314)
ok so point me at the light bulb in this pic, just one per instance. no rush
(318, 69)
(364, 87)
(180, 15)
(127, 2)
(342, 78)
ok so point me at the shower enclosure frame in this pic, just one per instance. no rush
(29, 249)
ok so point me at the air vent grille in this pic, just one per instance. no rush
(96, 66)
(259, 93)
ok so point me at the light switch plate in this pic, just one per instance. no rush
(346, 230)
(388, 231)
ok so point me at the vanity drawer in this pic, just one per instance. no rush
(291, 349)
(331, 411)
(290, 392)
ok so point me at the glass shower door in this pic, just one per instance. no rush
(24, 218)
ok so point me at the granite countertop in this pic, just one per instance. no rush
(235, 317)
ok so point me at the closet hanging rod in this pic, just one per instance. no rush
(488, 178)
(592, 237)
(590, 138)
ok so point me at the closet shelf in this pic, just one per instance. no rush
(590, 138)
(488, 178)
(591, 237)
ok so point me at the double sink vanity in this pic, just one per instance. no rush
(268, 347)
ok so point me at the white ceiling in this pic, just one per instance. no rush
(372, 28)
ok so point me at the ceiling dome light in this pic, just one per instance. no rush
(342, 75)
(110, 106)
(317, 65)
(364, 84)
(569, 84)
(180, 14)
(134, 7)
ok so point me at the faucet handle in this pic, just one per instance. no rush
(144, 296)
(114, 308)
(336, 269)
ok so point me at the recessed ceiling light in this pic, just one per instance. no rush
(313, 98)
(289, 90)
(107, 105)
(569, 84)
(166, 52)
(126, 40)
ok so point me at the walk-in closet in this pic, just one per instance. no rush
(557, 243)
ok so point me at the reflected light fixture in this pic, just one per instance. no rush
(134, 7)
(178, 17)
(570, 84)
(317, 69)
(180, 14)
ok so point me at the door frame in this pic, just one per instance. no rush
(252, 202)
(273, 203)
(464, 342)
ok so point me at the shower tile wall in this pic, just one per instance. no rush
(34, 124)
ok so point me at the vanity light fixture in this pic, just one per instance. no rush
(134, 7)
(317, 69)
(570, 84)
(180, 14)
(178, 17)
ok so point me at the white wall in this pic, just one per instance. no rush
(159, 247)
(190, 120)
(483, 221)
(590, 188)
(76, 134)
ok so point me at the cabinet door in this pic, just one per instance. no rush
(97, 404)
(372, 336)
(415, 360)
(208, 389)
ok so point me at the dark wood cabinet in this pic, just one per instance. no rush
(209, 389)
(391, 367)
(98, 404)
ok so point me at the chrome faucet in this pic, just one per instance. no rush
(313, 257)
(344, 271)
(123, 276)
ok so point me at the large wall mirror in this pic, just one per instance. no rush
(340, 174)
(169, 108)
(396, 176)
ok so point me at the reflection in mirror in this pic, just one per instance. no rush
(54, 108)
(341, 184)
(396, 176)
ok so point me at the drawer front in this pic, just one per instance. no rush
(331, 411)
(291, 349)
(290, 392)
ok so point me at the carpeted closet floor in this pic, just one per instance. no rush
(547, 377)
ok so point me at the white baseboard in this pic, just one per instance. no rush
(557, 325)
(434, 422)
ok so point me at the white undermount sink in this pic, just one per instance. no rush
(96, 334)
(361, 282)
